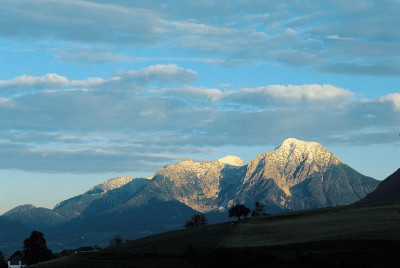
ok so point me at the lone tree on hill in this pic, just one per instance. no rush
(197, 220)
(259, 210)
(238, 211)
(35, 248)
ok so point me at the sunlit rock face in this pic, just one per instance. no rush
(302, 175)
(199, 185)
(291, 163)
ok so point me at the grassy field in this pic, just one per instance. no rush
(351, 233)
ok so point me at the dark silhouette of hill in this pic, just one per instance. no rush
(331, 237)
(387, 191)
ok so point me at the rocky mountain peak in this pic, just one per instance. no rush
(232, 160)
(291, 163)
(293, 150)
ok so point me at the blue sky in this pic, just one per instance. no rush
(91, 90)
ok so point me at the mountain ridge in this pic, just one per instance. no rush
(297, 175)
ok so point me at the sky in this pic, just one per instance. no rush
(91, 90)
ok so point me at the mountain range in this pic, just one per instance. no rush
(297, 175)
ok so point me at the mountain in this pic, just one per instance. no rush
(203, 186)
(34, 217)
(301, 175)
(296, 175)
(73, 207)
(387, 191)
(115, 197)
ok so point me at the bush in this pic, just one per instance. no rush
(259, 210)
(117, 240)
(197, 220)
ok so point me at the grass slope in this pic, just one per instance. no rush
(337, 233)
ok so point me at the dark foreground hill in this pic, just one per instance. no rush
(387, 191)
(350, 236)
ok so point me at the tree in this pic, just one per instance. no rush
(238, 211)
(35, 248)
(117, 240)
(3, 263)
(259, 210)
(197, 220)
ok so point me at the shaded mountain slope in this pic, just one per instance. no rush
(153, 217)
(115, 197)
(34, 217)
(387, 191)
(75, 206)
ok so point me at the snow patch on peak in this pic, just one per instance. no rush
(292, 142)
(291, 145)
(232, 160)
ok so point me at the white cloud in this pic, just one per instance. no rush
(89, 55)
(47, 81)
(127, 80)
(393, 98)
(110, 125)
(80, 21)
(337, 37)
(163, 74)
(212, 94)
(194, 28)
(92, 82)
(291, 33)
(271, 95)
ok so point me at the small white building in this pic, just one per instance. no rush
(17, 260)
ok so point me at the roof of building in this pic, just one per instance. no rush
(17, 257)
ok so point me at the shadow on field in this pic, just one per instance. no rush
(337, 253)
